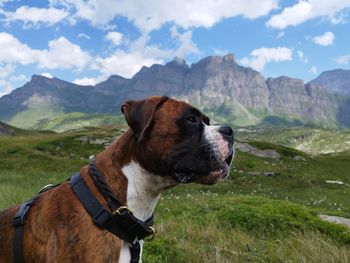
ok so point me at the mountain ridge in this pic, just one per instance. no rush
(217, 84)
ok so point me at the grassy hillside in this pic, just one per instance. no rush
(267, 211)
(28, 118)
(52, 119)
(308, 139)
(76, 120)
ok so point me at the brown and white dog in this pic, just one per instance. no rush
(169, 142)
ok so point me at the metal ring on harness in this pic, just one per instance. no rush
(121, 209)
(151, 237)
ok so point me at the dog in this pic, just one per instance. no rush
(169, 142)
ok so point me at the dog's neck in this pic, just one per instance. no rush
(141, 189)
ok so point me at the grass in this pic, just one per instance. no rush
(311, 140)
(205, 226)
(247, 218)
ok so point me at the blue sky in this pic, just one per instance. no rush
(85, 41)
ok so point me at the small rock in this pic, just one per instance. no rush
(336, 219)
(262, 173)
(83, 139)
(299, 158)
(334, 182)
(246, 147)
(100, 141)
(269, 173)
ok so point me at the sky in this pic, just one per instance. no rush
(85, 41)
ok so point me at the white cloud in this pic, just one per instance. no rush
(123, 63)
(13, 51)
(128, 62)
(306, 10)
(152, 14)
(35, 16)
(62, 54)
(280, 35)
(313, 70)
(343, 60)
(82, 35)
(2, 2)
(261, 56)
(8, 79)
(6, 70)
(186, 45)
(302, 57)
(115, 37)
(89, 81)
(324, 40)
(47, 75)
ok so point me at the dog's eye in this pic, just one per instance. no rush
(192, 119)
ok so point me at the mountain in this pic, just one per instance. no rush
(291, 97)
(336, 81)
(5, 129)
(227, 91)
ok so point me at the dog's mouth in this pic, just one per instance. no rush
(209, 171)
(212, 176)
(229, 158)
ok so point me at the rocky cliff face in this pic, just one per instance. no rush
(216, 83)
(291, 97)
(343, 112)
(336, 81)
(217, 80)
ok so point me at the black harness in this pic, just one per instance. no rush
(121, 222)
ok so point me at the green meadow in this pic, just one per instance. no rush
(266, 211)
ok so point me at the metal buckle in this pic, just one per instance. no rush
(45, 188)
(121, 209)
(151, 237)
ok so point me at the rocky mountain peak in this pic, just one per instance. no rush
(229, 58)
(336, 81)
(39, 79)
(178, 62)
(215, 61)
(284, 82)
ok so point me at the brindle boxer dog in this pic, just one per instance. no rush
(169, 142)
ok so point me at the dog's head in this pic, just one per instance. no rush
(176, 139)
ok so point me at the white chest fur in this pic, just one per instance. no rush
(143, 192)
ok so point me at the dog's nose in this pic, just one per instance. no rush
(227, 132)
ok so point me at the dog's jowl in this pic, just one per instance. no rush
(103, 213)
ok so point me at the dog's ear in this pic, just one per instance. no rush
(139, 114)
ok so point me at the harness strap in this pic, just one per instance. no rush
(102, 186)
(18, 223)
(135, 251)
(113, 203)
(121, 222)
